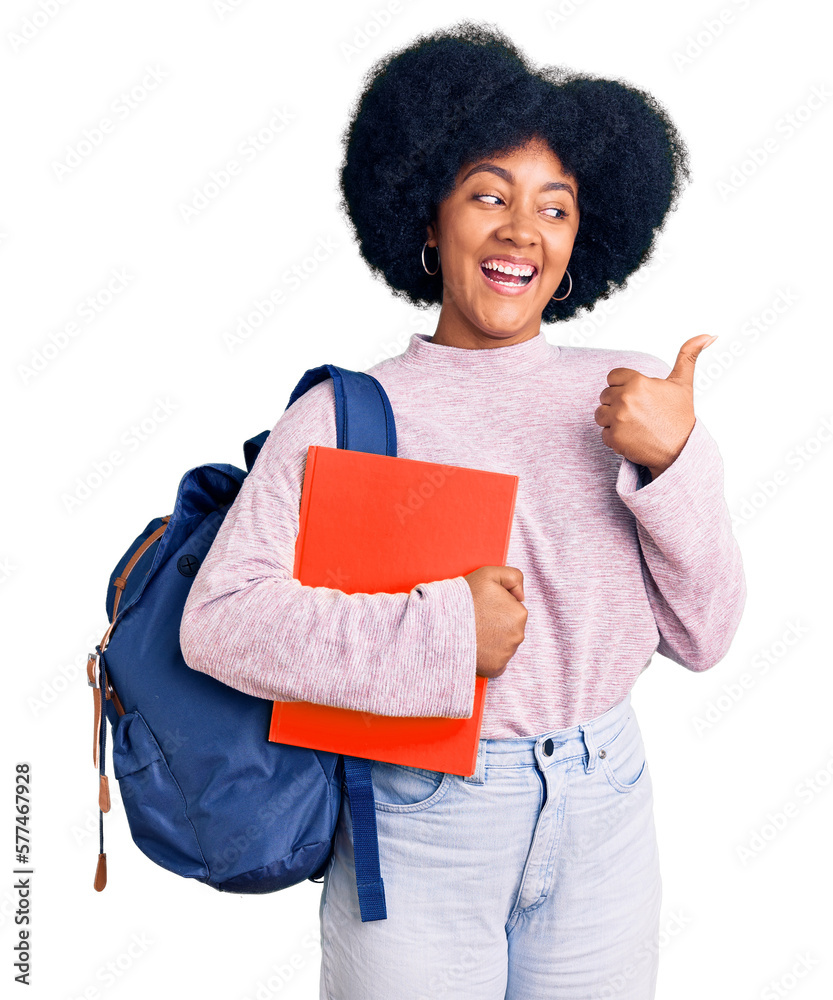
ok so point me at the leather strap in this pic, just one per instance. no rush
(99, 681)
(91, 680)
(364, 422)
(121, 581)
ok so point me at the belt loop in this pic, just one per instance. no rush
(590, 743)
(479, 776)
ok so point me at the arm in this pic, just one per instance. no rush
(691, 561)
(249, 623)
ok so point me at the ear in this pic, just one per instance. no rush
(432, 234)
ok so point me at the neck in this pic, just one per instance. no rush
(454, 330)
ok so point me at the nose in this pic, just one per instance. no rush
(519, 227)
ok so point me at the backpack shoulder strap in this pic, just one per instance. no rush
(364, 422)
(364, 418)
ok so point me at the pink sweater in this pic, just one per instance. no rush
(613, 570)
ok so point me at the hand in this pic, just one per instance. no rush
(500, 618)
(648, 420)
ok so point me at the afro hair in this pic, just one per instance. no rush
(465, 93)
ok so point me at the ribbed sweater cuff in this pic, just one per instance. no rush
(448, 680)
(698, 467)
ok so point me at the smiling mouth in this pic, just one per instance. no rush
(504, 276)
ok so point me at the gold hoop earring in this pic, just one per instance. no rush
(424, 245)
(554, 299)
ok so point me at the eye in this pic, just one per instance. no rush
(552, 208)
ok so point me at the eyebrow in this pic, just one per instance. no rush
(507, 175)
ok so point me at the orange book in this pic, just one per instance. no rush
(377, 523)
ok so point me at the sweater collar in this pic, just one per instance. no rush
(481, 363)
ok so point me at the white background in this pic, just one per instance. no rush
(752, 232)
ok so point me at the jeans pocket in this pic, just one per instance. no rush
(622, 758)
(401, 788)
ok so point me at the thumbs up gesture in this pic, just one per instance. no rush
(648, 420)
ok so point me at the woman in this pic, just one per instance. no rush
(513, 197)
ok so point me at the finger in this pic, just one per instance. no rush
(512, 579)
(607, 439)
(619, 376)
(683, 370)
(603, 415)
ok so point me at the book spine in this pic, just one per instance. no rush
(511, 519)
(275, 721)
(306, 491)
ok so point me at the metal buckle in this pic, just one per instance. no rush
(92, 667)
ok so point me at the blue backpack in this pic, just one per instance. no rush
(206, 794)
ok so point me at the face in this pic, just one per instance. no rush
(517, 209)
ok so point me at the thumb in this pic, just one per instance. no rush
(683, 370)
(512, 579)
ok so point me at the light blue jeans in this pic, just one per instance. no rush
(537, 878)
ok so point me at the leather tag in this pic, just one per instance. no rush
(100, 873)
(104, 794)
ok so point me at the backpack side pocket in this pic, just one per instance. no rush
(153, 801)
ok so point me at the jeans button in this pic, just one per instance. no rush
(548, 747)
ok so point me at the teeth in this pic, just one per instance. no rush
(523, 270)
